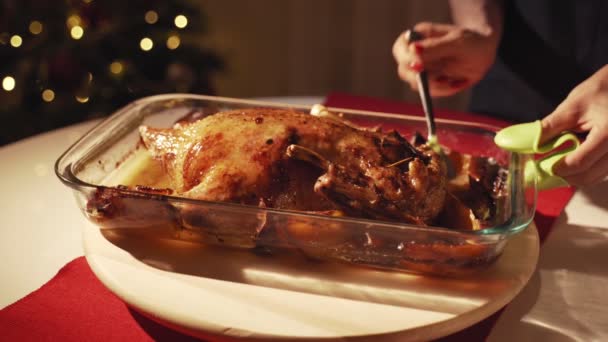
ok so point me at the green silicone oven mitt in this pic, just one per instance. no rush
(525, 138)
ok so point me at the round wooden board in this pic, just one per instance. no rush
(210, 292)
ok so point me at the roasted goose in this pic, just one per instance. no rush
(320, 163)
(291, 160)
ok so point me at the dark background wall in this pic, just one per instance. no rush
(85, 59)
(303, 47)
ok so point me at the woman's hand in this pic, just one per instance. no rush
(585, 109)
(454, 57)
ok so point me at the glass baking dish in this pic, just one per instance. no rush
(110, 155)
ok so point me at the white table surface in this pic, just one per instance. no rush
(567, 297)
(40, 231)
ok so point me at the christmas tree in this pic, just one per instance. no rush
(66, 61)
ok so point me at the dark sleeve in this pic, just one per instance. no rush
(547, 48)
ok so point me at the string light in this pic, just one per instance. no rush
(35, 27)
(16, 41)
(73, 20)
(116, 68)
(82, 99)
(146, 44)
(151, 17)
(8, 83)
(48, 95)
(181, 21)
(89, 77)
(77, 32)
(173, 42)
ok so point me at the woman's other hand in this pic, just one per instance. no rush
(584, 110)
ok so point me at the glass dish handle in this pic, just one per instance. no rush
(525, 138)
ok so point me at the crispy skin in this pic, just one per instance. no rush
(240, 156)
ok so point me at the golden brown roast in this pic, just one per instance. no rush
(291, 160)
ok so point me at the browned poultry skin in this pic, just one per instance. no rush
(241, 156)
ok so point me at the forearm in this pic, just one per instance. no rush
(482, 16)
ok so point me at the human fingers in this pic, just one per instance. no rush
(582, 160)
(448, 46)
(599, 172)
(408, 75)
(448, 77)
(595, 174)
(562, 119)
(404, 54)
(442, 85)
(430, 30)
(439, 85)
(427, 50)
(442, 81)
(400, 48)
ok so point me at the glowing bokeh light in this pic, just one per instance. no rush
(151, 17)
(35, 27)
(181, 21)
(48, 95)
(146, 44)
(73, 20)
(116, 68)
(16, 41)
(8, 83)
(173, 42)
(77, 32)
(82, 99)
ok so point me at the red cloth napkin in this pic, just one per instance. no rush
(75, 306)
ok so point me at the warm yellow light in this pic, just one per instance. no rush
(146, 44)
(77, 32)
(173, 42)
(181, 21)
(151, 17)
(116, 68)
(82, 99)
(8, 83)
(35, 27)
(73, 20)
(16, 40)
(48, 95)
(87, 1)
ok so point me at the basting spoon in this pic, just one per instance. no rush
(427, 106)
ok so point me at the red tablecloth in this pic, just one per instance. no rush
(75, 306)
